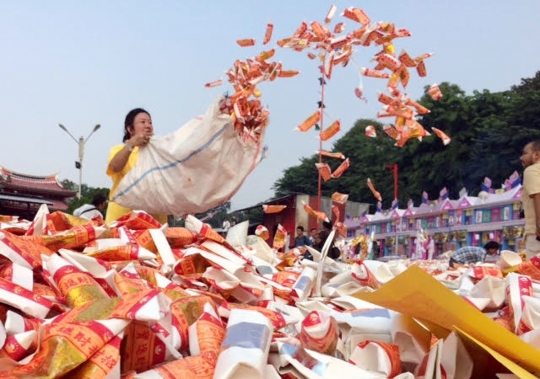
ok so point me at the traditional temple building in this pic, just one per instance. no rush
(22, 195)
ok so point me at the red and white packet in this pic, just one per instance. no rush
(518, 286)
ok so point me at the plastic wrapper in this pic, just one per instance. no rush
(377, 356)
(76, 237)
(76, 286)
(68, 345)
(319, 332)
(180, 237)
(18, 346)
(244, 351)
(21, 251)
(23, 299)
(324, 171)
(518, 286)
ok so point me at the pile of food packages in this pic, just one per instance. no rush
(137, 299)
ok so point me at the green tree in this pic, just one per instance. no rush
(488, 132)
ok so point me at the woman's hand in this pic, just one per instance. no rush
(139, 139)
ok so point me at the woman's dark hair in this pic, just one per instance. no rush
(130, 118)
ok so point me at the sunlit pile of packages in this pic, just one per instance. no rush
(136, 299)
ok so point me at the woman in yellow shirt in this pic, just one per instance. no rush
(138, 130)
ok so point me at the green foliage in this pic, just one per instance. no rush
(488, 131)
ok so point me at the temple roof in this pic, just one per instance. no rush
(33, 183)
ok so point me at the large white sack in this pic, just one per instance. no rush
(196, 168)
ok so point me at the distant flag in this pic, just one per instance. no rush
(410, 204)
(486, 185)
(379, 207)
(443, 195)
(395, 204)
(425, 197)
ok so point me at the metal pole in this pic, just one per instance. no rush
(81, 156)
(321, 126)
(80, 142)
(395, 180)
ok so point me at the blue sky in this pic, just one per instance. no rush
(84, 63)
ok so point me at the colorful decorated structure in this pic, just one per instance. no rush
(22, 195)
(435, 227)
(289, 211)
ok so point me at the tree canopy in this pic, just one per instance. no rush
(488, 131)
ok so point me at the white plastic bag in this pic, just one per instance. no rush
(196, 168)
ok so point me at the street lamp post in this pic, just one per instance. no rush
(81, 141)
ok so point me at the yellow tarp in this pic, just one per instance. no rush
(415, 293)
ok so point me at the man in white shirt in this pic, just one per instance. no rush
(92, 211)
(530, 197)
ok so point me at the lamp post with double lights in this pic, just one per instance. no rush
(81, 141)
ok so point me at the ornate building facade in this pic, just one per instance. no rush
(446, 224)
(22, 195)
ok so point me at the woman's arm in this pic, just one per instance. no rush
(119, 161)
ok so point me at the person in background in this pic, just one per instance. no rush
(301, 239)
(473, 254)
(312, 234)
(530, 197)
(92, 211)
(138, 130)
(226, 224)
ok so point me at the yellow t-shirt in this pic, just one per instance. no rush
(531, 186)
(114, 210)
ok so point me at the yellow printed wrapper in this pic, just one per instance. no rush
(141, 349)
(19, 249)
(74, 238)
(185, 312)
(207, 333)
(77, 287)
(105, 363)
(65, 346)
(60, 221)
(129, 252)
(180, 237)
(199, 366)
(138, 221)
